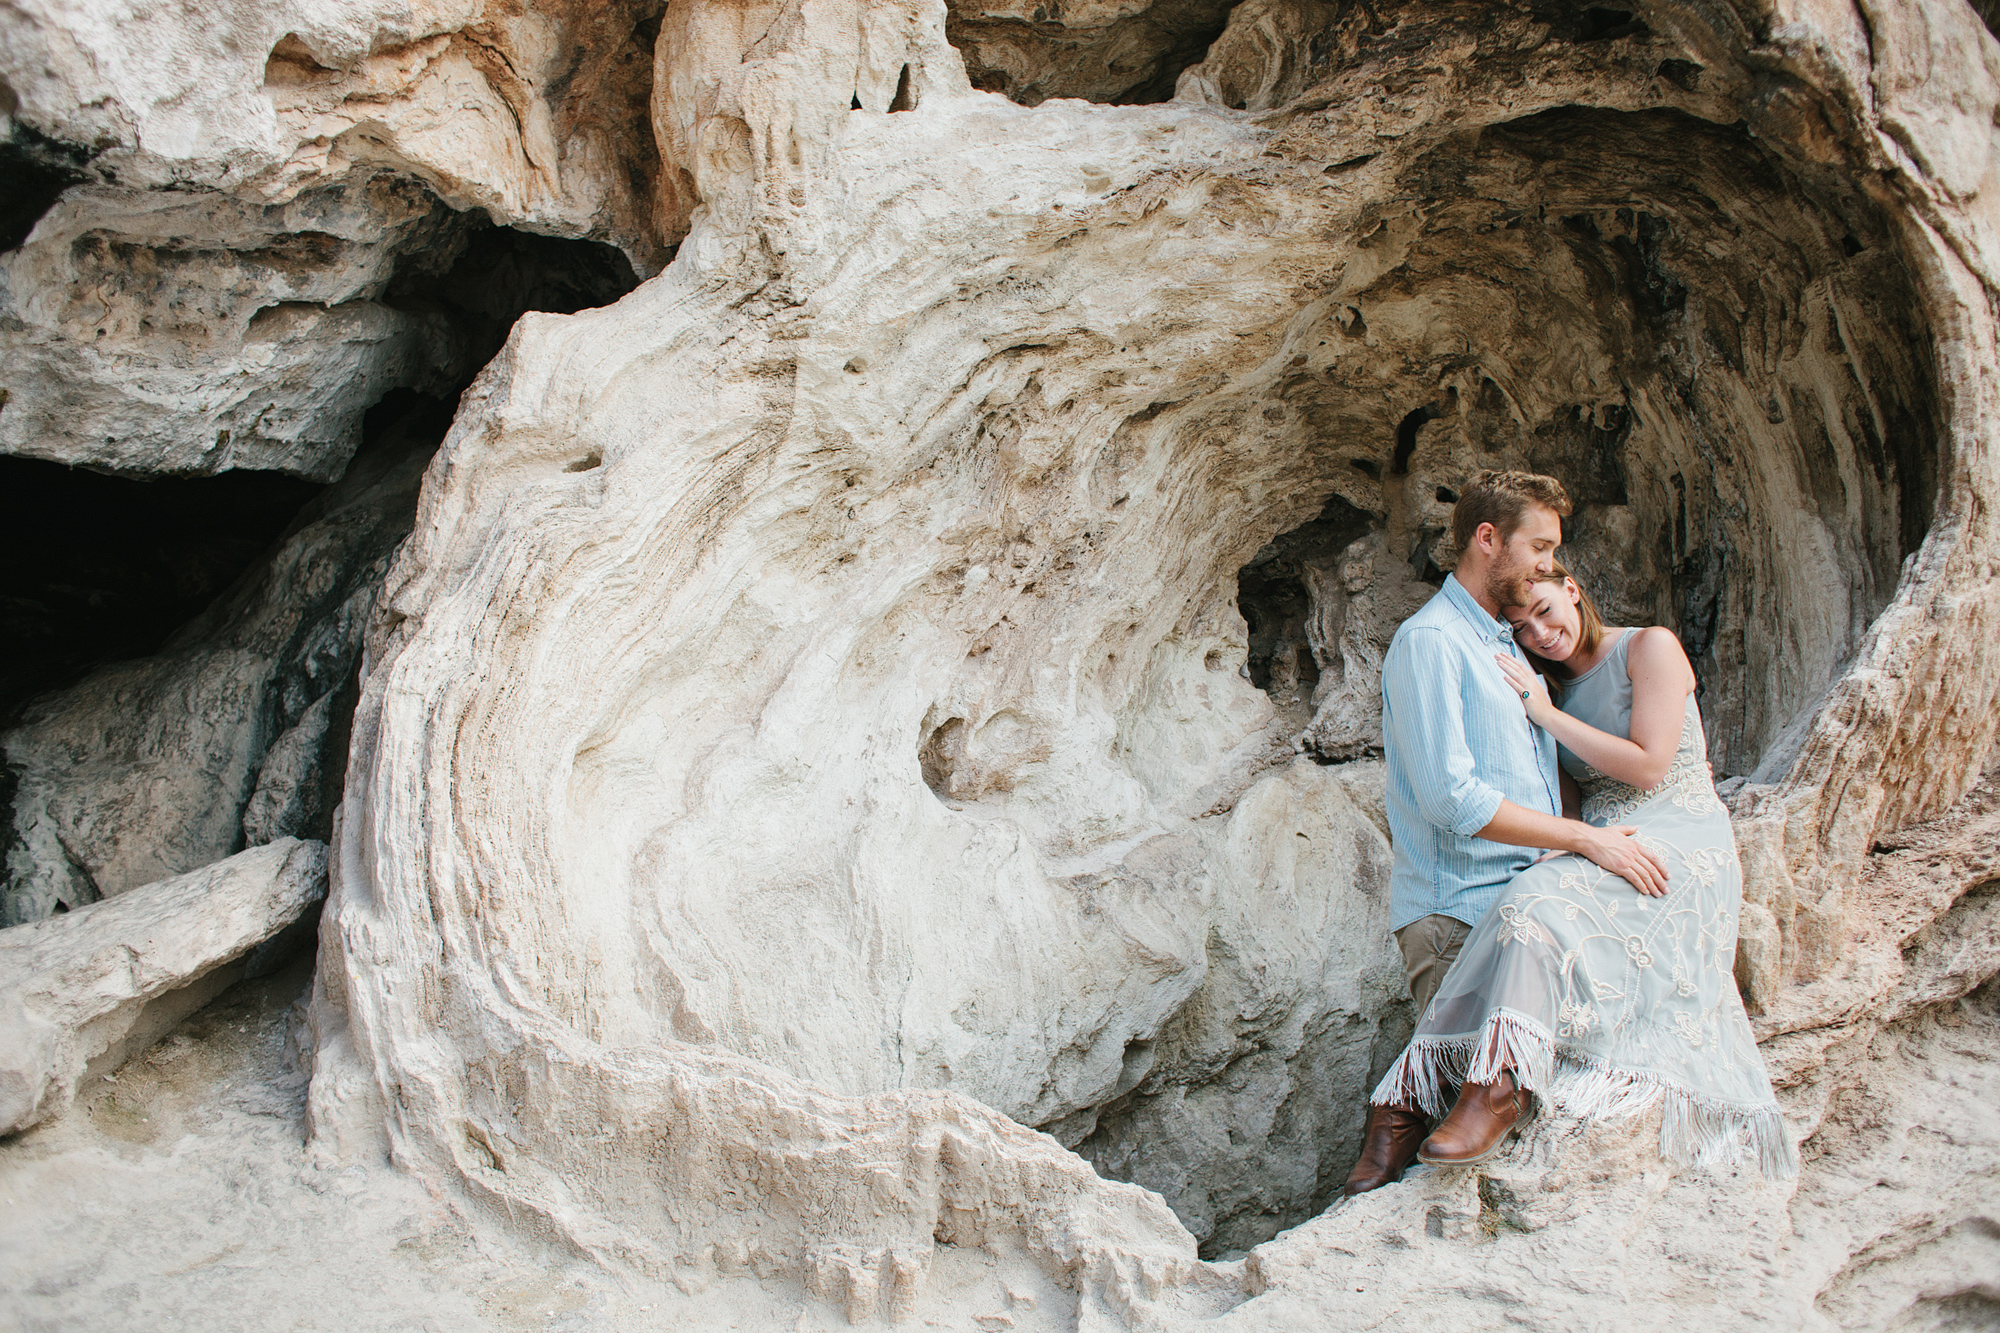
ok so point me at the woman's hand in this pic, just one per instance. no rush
(1534, 691)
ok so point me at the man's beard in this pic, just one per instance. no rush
(1510, 584)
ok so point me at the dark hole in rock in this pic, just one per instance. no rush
(1275, 594)
(1406, 437)
(905, 99)
(854, 103)
(1271, 594)
(494, 275)
(1598, 23)
(939, 755)
(1683, 74)
(1132, 58)
(36, 169)
(101, 567)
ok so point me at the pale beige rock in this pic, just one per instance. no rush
(804, 740)
(200, 1138)
(82, 992)
(215, 293)
(159, 332)
(827, 654)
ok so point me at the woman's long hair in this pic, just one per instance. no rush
(1590, 632)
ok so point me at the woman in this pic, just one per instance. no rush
(1576, 987)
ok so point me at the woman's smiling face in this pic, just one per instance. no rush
(1548, 625)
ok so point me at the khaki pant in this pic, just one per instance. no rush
(1430, 945)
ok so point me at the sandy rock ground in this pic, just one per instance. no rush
(1891, 1226)
(204, 1137)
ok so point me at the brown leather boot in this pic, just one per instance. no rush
(1387, 1146)
(1479, 1120)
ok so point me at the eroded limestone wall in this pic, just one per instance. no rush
(898, 525)
(808, 734)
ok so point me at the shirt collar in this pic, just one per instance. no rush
(1468, 605)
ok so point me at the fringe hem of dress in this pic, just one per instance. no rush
(1695, 1131)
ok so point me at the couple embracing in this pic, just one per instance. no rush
(1566, 886)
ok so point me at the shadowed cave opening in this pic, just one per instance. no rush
(1842, 436)
(101, 568)
(1032, 50)
(1275, 593)
(37, 170)
(1723, 356)
(487, 276)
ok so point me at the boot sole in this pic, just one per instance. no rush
(1520, 1123)
(1486, 1156)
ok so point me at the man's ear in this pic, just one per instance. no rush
(1486, 537)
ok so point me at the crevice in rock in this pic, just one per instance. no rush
(1406, 437)
(37, 169)
(1032, 50)
(487, 277)
(100, 568)
(1285, 595)
(292, 64)
(1599, 23)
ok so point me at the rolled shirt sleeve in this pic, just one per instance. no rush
(1423, 717)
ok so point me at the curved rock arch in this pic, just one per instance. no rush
(700, 580)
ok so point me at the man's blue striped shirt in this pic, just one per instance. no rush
(1458, 743)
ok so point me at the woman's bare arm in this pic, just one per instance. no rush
(1661, 682)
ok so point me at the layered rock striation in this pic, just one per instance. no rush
(907, 671)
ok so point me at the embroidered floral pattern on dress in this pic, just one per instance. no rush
(1575, 1020)
(1686, 784)
(1521, 927)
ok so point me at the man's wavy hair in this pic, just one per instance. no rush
(1502, 499)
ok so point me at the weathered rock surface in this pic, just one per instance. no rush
(859, 688)
(84, 991)
(228, 737)
(844, 703)
(220, 213)
(1889, 1225)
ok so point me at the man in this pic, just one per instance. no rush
(1473, 789)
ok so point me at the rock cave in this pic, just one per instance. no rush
(809, 582)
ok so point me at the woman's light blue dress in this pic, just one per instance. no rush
(1602, 1000)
